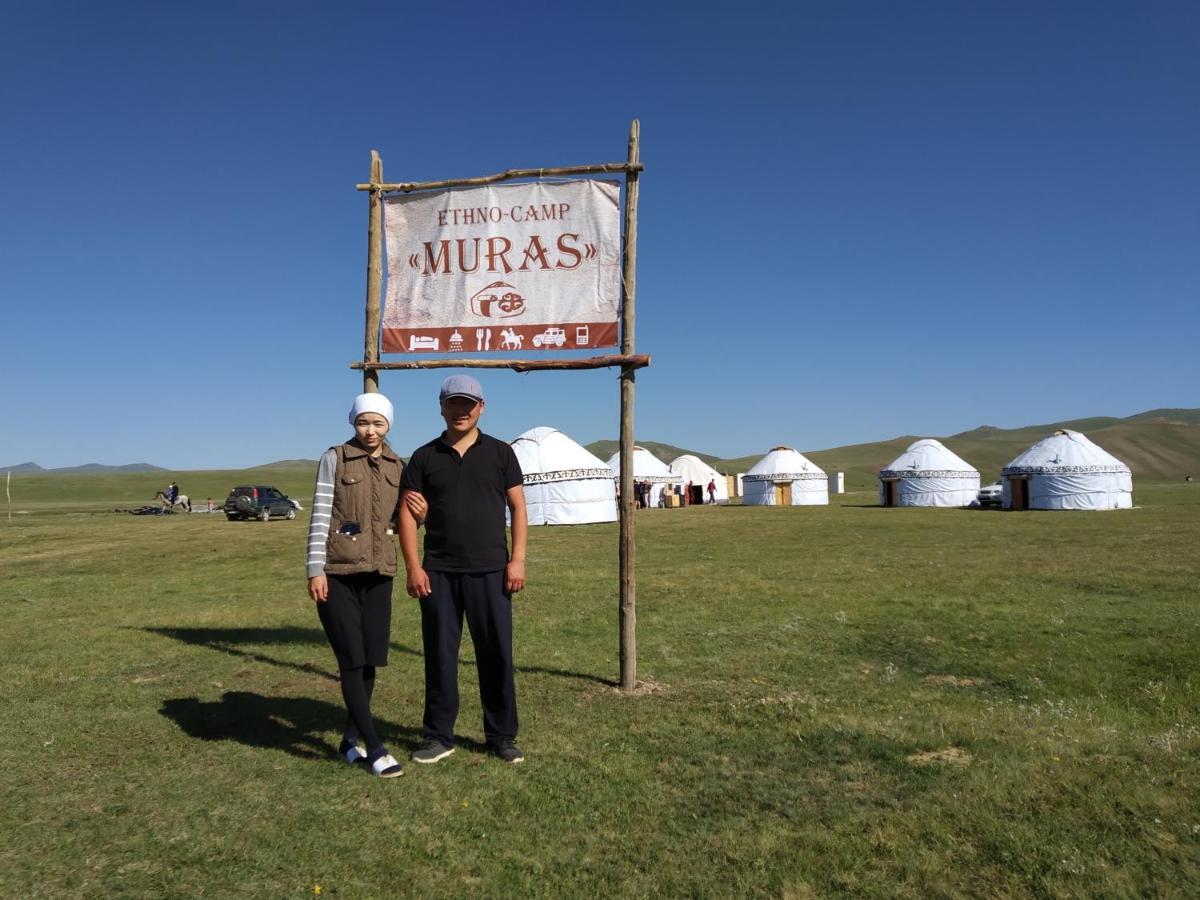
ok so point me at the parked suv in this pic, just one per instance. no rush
(257, 501)
(991, 494)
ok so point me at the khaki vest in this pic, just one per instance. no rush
(365, 491)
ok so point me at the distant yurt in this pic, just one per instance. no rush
(784, 478)
(564, 483)
(1066, 471)
(646, 467)
(699, 473)
(928, 474)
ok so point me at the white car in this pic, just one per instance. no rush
(991, 494)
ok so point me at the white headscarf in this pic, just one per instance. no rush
(371, 403)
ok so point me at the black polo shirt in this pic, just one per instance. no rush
(464, 528)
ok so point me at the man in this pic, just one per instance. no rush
(467, 479)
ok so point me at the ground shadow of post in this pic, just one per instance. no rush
(233, 642)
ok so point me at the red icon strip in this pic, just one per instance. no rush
(482, 339)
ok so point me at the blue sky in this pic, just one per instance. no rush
(857, 220)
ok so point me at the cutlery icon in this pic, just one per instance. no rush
(478, 338)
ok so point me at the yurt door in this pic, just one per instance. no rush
(889, 493)
(1019, 490)
(783, 493)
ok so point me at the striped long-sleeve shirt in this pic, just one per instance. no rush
(322, 507)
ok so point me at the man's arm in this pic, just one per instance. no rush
(418, 579)
(514, 572)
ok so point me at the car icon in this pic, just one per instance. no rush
(555, 336)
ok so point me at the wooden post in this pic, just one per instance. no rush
(636, 361)
(374, 278)
(628, 608)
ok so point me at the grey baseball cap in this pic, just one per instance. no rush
(461, 386)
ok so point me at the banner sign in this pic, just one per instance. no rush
(505, 267)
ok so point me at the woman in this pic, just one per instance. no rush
(351, 562)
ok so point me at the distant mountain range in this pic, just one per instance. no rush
(32, 468)
(1163, 444)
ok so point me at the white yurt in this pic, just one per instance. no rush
(699, 473)
(564, 483)
(1066, 471)
(928, 474)
(646, 467)
(784, 478)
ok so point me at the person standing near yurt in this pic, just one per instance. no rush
(350, 565)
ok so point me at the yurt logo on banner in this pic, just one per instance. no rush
(499, 300)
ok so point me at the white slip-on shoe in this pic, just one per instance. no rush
(352, 753)
(385, 766)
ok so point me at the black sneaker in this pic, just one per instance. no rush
(431, 751)
(507, 751)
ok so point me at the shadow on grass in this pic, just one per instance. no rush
(233, 641)
(294, 725)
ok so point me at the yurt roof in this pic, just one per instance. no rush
(928, 458)
(546, 454)
(783, 464)
(646, 466)
(1065, 452)
(692, 468)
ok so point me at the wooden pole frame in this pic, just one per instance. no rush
(374, 280)
(508, 175)
(627, 613)
(633, 361)
(628, 361)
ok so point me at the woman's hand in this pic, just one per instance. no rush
(318, 588)
(418, 583)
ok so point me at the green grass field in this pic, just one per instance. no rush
(841, 700)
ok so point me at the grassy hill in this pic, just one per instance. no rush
(1160, 445)
(47, 492)
(1180, 416)
(1154, 449)
(665, 452)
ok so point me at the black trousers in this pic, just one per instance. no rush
(488, 609)
(357, 618)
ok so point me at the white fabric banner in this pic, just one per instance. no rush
(505, 267)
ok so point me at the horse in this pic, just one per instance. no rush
(512, 340)
(180, 501)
